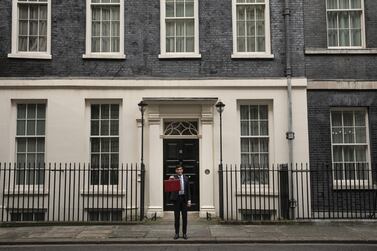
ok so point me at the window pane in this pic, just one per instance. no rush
(114, 127)
(361, 153)
(264, 128)
(40, 145)
(337, 154)
(23, 28)
(263, 112)
(96, 45)
(95, 111)
(115, 45)
(30, 127)
(359, 118)
(244, 112)
(21, 124)
(105, 111)
(21, 145)
(105, 127)
(349, 135)
(332, 4)
(343, 4)
(333, 37)
(105, 44)
(189, 8)
(23, 12)
(337, 135)
(361, 136)
(245, 128)
(348, 153)
(254, 145)
(41, 111)
(95, 145)
(94, 128)
(31, 145)
(40, 127)
(114, 145)
(31, 111)
(245, 145)
(169, 8)
(180, 8)
(264, 145)
(254, 112)
(336, 118)
(348, 118)
(105, 145)
(355, 4)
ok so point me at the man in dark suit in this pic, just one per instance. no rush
(181, 200)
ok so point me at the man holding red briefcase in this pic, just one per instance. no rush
(181, 198)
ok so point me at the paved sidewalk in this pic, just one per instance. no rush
(200, 231)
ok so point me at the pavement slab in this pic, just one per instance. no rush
(198, 233)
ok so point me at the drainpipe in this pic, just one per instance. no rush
(288, 73)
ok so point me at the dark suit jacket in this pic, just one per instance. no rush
(174, 195)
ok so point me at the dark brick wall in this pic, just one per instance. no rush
(319, 105)
(338, 66)
(142, 44)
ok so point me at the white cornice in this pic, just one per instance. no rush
(79, 83)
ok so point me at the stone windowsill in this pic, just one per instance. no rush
(326, 51)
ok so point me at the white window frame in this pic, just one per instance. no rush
(267, 53)
(249, 188)
(105, 187)
(163, 53)
(363, 36)
(32, 186)
(15, 28)
(355, 183)
(88, 40)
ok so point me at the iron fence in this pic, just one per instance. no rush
(71, 192)
(297, 192)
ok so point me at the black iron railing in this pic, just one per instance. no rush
(71, 192)
(297, 192)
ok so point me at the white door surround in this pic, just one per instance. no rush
(189, 109)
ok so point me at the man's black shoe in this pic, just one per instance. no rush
(185, 236)
(176, 236)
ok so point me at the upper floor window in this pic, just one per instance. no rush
(105, 29)
(350, 145)
(31, 29)
(345, 24)
(179, 28)
(251, 28)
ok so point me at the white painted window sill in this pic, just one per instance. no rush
(252, 56)
(341, 51)
(104, 56)
(30, 55)
(180, 55)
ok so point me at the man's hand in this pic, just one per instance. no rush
(171, 177)
(189, 203)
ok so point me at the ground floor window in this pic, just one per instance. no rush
(27, 216)
(104, 142)
(105, 215)
(254, 144)
(350, 144)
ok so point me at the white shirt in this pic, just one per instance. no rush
(182, 191)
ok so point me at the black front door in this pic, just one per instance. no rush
(186, 153)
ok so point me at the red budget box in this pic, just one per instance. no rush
(172, 185)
